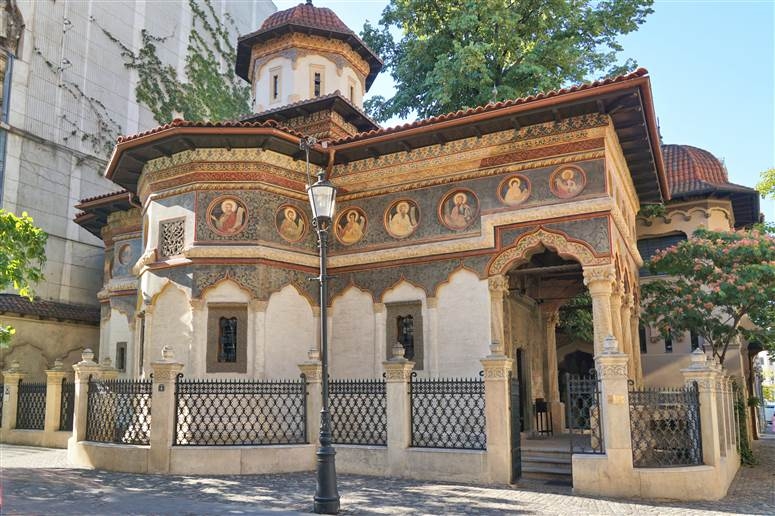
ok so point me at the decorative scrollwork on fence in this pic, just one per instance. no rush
(358, 411)
(583, 413)
(448, 413)
(67, 405)
(119, 411)
(240, 412)
(31, 412)
(665, 426)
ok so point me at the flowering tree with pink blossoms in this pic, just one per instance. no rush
(720, 285)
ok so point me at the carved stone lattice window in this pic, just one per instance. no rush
(172, 237)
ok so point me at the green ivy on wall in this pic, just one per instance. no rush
(210, 91)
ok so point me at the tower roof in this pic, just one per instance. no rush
(307, 19)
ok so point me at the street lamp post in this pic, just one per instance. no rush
(322, 200)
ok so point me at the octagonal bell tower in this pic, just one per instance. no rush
(305, 61)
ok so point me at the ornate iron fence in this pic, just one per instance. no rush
(119, 411)
(665, 426)
(583, 413)
(67, 405)
(240, 412)
(448, 413)
(31, 412)
(2, 397)
(358, 411)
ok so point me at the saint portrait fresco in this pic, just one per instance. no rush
(227, 216)
(514, 190)
(291, 223)
(402, 218)
(350, 226)
(459, 209)
(567, 181)
(124, 254)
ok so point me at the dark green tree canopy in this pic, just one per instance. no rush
(465, 53)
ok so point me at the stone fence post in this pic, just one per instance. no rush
(84, 370)
(313, 371)
(165, 373)
(398, 372)
(497, 374)
(107, 371)
(11, 379)
(707, 377)
(54, 379)
(611, 367)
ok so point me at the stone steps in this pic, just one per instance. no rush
(546, 463)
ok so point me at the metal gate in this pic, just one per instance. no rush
(516, 428)
(583, 413)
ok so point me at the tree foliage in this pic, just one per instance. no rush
(210, 90)
(718, 284)
(576, 318)
(22, 257)
(766, 184)
(465, 53)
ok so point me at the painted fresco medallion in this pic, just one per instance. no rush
(459, 209)
(567, 181)
(402, 218)
(514, 190)
(227, 215)
(124, 254)
(350, 226)
(291, 223)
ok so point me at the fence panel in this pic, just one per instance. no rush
(448, 413)
(583, 413)
(358, 412)
(31, 412)
(119, 411)
(240, 412)
(67, 405)
(2, 397)
(665, 426)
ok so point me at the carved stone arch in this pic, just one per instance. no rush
(351, 285)
(448, 279)
(168, 284)
(560, 243)
(398, 282)
(226, 279)
(299, 289)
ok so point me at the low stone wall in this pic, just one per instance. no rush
(49, 439)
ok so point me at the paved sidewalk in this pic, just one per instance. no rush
(39, 481)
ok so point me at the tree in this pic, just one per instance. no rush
(465, 53)
(576, 318)
(766, 184)
(721, 285)
(210, 90)
(22, 257)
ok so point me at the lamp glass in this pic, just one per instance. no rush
(322, 199)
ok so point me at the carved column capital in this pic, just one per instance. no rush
(600, 278)
(257, 305)
(312, 370)
(611, 366)
(398, 370)
(497, 367)
(498, 284)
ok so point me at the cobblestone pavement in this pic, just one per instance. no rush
(39, 481)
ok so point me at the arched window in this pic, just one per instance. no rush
(227, 340)
(405, 332)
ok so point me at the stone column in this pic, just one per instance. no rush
(11, 378)
(313, 371)
(599, 280)
(706, 376)
(147, 340)
(380, 335)
(165, 373)
(433, 346)
(628, 342)
(257, 312)
(617, 303)
(85, 369)
(634, 331)
(399, 433)
(555, 405)
(198, 358)
(54, 379)
(611, 365)
(499, 286)
(497, 373)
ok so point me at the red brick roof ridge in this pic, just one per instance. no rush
(102, 196)
(492, 106)
(306, 14)
(179, 122)
(333, 94)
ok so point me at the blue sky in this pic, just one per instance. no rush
(712, 68)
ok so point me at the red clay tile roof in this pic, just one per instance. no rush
(178, 122)
(13, 304)
(103, 196)
(309, 15)
(492, 106)
(690, 169)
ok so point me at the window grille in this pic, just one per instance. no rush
(405, 332)
(227, 339)
(172, 237)
(318, 82)
(669, 343)
(642, 338)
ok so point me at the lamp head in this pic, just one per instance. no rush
(322, 200)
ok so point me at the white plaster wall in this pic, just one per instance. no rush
(351, 346)
(157, 213)
(464, 324)
(118, 329)
(290, 333)
(296, 83)
(170, 325)
(404, 292)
